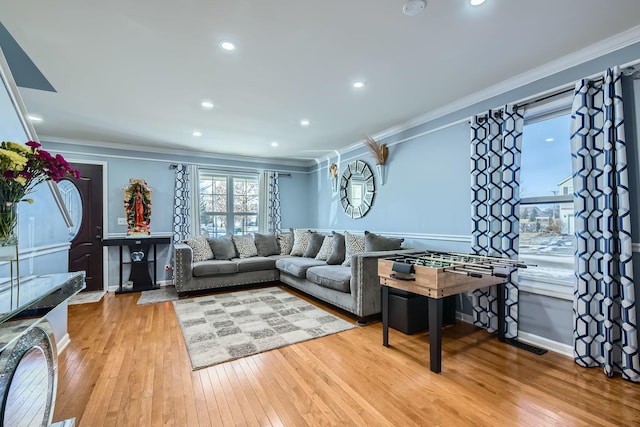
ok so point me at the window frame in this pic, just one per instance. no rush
(555, 107)
(229, 213)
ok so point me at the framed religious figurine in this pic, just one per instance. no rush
(137, 207)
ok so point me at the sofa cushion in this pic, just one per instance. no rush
(267, 244)
(200, 247)
(334, 277)
(337, 252)
(325, 250)
(297, 266)
(255, 263)
(223, 248)
(285, 242)
(245, 246)
(353, 244)
(315, 242)
(300, 241)
(375, 243)
(214, 268)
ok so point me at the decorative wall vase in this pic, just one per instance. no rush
(137, 207)
(381, 171)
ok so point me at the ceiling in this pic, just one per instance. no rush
(135, 72)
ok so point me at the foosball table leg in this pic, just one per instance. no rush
(435, 334)
(385, 315)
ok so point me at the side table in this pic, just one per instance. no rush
(139, 260)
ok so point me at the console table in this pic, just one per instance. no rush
(139, 248)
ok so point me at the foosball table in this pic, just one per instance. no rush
(437, 275)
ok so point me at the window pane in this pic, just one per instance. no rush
(545, 168)
(216, 192)
(244, 224)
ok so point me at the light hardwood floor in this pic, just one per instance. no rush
(127, 365)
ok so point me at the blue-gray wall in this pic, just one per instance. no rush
(120, 165)
(426, 197)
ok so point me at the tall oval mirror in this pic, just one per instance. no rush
(357, 189)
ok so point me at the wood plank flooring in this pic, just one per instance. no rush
(127, 365)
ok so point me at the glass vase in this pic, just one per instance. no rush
(8, 231)
(9, 270)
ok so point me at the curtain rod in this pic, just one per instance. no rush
(555, 93)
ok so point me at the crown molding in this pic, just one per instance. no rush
(594, 51)
(180, 152)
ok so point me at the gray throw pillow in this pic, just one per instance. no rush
(223, 247)
(315, 242)
(338, 252)
(267, 244)
(374, 242)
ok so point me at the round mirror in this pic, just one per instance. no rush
(357, 189)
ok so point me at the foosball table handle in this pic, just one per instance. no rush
(406, 279)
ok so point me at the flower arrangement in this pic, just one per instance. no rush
(22, 168)
(379, 151)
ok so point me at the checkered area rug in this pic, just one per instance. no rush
(224, 327)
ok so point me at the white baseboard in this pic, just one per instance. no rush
(526, 337)
(63, 343)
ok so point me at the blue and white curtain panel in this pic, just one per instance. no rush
(274, 217)
(605, 324)
(182, 203)
(496, 146)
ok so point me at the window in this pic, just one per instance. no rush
(546, 207)
(228, 204)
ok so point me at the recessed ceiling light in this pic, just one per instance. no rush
(476, 2)
(274, 144)
(304, 122)
(196, 133)
(414, 7)
(207, 105)
(549, 140)
(227, 45)
(35, 118)
(359, 85)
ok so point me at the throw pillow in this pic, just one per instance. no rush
(300, 242)
(267, 244)
(374, 242)
(337, 251)
(223, 248)
(325, 250)
(200, 247)
(285, 241)
(353, 245)
(315, 242)
(245, 246)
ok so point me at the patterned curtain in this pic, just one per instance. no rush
(182, 203)
(496, 144)
(274, 218)
(605, 328)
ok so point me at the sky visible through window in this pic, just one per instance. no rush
(546, 157)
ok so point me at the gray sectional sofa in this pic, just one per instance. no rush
(352, 285)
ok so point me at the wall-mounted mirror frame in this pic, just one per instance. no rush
(357, 189)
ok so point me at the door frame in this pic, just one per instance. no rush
(105, 215)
